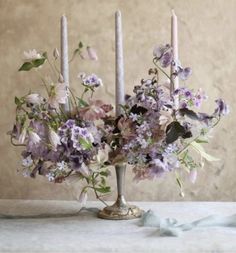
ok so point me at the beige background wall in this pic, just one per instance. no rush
(207, 38)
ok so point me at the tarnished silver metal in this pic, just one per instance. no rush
(120, 210)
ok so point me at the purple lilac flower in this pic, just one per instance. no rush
(77, 133)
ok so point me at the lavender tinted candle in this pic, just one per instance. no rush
(120, 92)
(174, 44)
(64, 56)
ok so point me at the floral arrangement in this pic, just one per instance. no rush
(60, 144)
(158, 131)
(161, 129)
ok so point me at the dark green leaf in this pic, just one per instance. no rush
(38, 62)
(26, 66)
(191, 114)
(80, 44)
(138, 109)
(104, 173)
(174, 131)
(18, 101)
(103, 181)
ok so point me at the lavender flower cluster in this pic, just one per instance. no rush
(60, 144)
(153, 135)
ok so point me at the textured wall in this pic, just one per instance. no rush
(207, 37)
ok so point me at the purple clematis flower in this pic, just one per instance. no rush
(222, 108)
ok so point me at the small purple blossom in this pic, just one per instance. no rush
(91, 80)
(166, 59)
(184, 73)
(222, 108)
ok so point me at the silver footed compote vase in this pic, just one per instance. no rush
(120, 210)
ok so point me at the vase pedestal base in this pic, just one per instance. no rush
(120, 210)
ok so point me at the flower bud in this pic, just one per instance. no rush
(56, 53)
(92, 54)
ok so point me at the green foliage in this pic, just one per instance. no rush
(189, 113)
(85, 143)
(18, 101)
(197, 146)
(187, 161)
(103, 189)
(26, 66)
(174, 131)
(82, 103)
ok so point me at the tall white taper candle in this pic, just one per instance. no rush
(120, 89)
(174, 44)
(64, 57)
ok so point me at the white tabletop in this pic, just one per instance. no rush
(87, 233)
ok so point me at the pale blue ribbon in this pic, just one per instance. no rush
(170, 227)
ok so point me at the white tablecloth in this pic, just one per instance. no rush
(87, 233)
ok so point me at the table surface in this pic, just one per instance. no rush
(87, 233)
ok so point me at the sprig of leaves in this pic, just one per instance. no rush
(26, 66)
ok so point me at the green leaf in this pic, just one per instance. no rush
(18, 102)
(103, 181)
(85, 143)
(80, 45)
(82, 103)
(201, 141)
(191, 114)
(104, 173)
(174, 131)
(105, 189)
(45, 55)
(202, 152)
(26, 66)
(38, 62)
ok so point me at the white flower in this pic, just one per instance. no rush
(34, 137)
(84, 170)
(58, 95)
(34, 99)
(62, 166)
(27, 162)
(134, 116)
(193, 176)
(83, 197)
(26, 172)
(32, 55)
(92, 54)
(22, 136)
(50, 177)
(54, 139)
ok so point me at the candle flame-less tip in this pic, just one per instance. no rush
(118, 13)
(173, 12)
